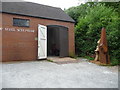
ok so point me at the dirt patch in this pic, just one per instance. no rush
(99, 63)
(64, 60)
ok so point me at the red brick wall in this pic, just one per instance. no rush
(22, 45)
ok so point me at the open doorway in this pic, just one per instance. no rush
(57, 40)
(53, 48)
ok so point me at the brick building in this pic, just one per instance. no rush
(31, 31)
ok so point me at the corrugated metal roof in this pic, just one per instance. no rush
(35, 10)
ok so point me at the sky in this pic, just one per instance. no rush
(63, 4)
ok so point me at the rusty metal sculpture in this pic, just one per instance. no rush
(102, 49)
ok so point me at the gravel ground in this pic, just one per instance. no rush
(44, 74)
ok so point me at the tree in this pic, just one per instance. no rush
(88, 30)
(90, 18)
(79, 11)
(114, 5)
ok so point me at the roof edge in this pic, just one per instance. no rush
(37, 17)
(42, 4)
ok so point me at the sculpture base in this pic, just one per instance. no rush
(99, 63)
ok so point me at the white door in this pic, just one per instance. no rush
(42, 41)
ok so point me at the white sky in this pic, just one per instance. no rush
(59, 3)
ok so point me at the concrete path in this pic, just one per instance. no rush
(44, 74)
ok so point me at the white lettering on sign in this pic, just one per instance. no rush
(1, 29)
(17, 30)
(10, 29)
(20, 30)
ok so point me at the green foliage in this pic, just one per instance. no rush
(79, 11)
(89, 27)
(89, 58)
(114, 62)
(115, 5)
(90, 18)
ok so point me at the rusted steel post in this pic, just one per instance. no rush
(102, 49)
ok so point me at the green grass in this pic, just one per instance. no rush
(89, 58)
(114, 62)
(49, 60)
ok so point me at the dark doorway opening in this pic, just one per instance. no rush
(57, 40)
(53, 48)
